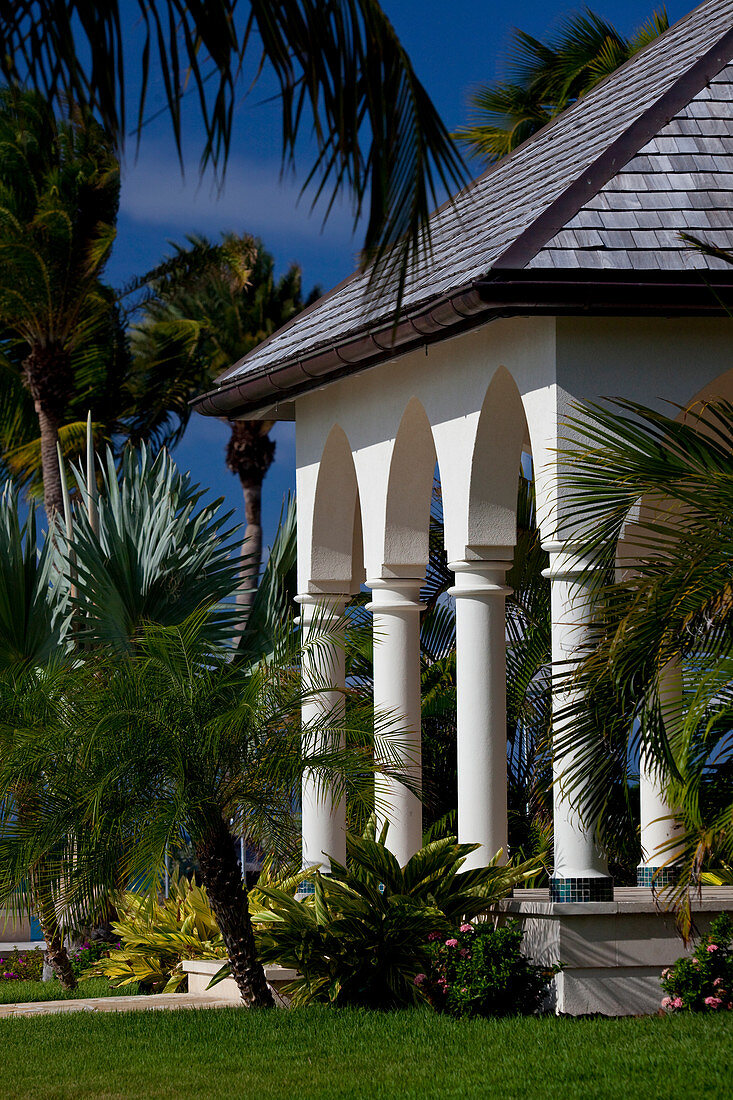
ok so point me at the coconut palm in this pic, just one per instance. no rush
(205, 307)
(342, 72)
(674, 607)
(547, 77)
(59, 191)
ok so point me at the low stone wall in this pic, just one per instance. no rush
(201, 971)
(612, 953)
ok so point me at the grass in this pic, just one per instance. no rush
(323, 1054)
(12, 992)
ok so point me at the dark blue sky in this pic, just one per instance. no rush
(454, 46)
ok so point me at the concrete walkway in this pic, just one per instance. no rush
(115, 1004)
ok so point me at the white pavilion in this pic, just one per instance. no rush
(558, 277)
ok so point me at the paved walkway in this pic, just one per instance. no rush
(115, 1004)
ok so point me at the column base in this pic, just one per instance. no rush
(656, 878)
(598, 888)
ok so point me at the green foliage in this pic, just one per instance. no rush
(547, 77)
(156, 935)
(147, 549)
(671, 477)
(24, 966)
(86, 954)
(703, 981)
(363, 935)
(479, 970)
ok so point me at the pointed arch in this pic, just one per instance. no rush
(409, 490)
(501, 435)
(336, 535)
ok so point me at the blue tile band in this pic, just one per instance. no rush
(656, 877)
(581, 889)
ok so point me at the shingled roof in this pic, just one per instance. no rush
(601, 192)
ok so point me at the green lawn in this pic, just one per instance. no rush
(317, 1053)
(23, 992)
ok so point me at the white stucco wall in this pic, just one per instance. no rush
(466, 393)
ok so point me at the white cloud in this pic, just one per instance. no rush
(153, 193)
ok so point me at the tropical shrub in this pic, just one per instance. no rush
(479, 971)
(155, 936)
(364, 934)
(25, 967)
(87, 954)
(703, 981)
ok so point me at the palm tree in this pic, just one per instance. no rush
(674, 607)
(59, 190)
(205, 307)
(343, 74)
(145, 551)
(547, 77)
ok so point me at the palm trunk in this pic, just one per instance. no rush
(221, 876)
(251, 547)
(55, 950)
(52, 494)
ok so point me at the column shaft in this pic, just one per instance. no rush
(323, 815)
(659, 830)
(396, 610)
(481, 707)
(581, 871)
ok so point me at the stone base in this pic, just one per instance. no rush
(612, 953)
(201, 971)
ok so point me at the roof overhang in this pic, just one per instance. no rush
(270, 393)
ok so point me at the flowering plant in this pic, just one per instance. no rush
(703, 981)
(26, 966)
(479, 971)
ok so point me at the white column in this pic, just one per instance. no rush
(480, 596)
(659, 830)
(581, 871)
(396, 609)
(323, 816)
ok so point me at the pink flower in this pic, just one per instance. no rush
(666, 973)
(713, 1002)
(433, 936)
(666, 1002)
(676, 1002)
(420, 979)
(712, 947)
(465, 953)
(442, 983)
(464, 990)
(451, 943)
(717, 982)
(466, 928)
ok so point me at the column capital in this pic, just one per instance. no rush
(480, 578)
(331, 605)
(568, 560)
(395, 595)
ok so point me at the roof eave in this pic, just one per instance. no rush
(501, 294)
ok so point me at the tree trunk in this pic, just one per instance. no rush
(55, 950)
(251, 547)
(47, 375)
(250, 453)
(52, 495)
(221, 876)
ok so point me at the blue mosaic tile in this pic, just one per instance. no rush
(656, 877)
(581, 889)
